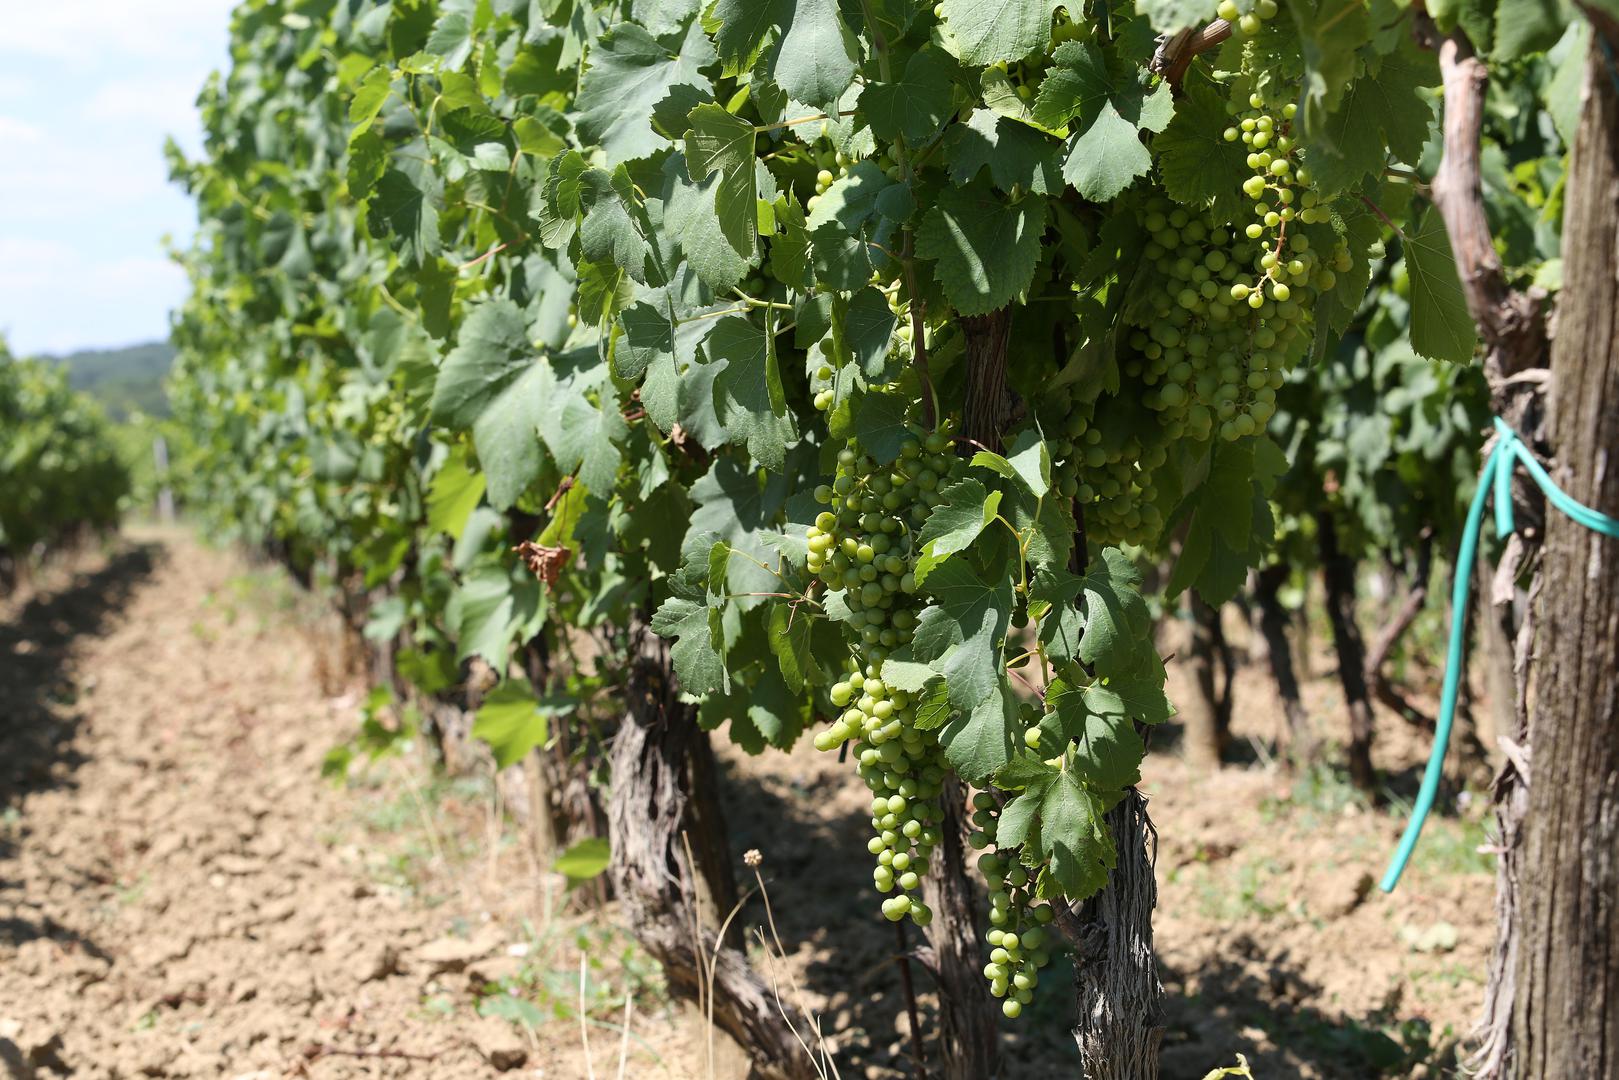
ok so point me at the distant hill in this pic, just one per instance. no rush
(123, 380)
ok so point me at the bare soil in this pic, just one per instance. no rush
(182, 894)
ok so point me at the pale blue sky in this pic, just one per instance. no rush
(88, 91)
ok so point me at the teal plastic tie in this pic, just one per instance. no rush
(1497, 478)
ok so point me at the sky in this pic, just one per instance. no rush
(89, 90)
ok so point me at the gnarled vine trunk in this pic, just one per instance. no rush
(672, 872)
(955, 953)
(1206, 717)
(1121, 1019)
(1338, 574)
(1294, 741)
(1565, 914)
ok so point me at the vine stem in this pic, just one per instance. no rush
(485, 257)
(1378, 210)
(1175, 54)
(759, 129)
(919, 1066)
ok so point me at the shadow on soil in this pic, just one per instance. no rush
(1257, 1007)
(821, 896)
(819, 876)
(38, 697)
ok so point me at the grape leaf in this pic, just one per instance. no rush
(864, 326)
(1328, 35)
(610, 232)
(1199, 168)
(1529, 26)
(629, 73)
(690, 218)
(1380, 114)
(736, 505)
(907, 675)
(748, 395)
(986, 248)
(814, 55)
(852, 199)
(815, 61)
(495, 385)
(960, 635)
(1108, 752)
(1015, 154)
(1074, 837)
(698, 651)
(879, 424)
(932, 708)
(723, 143)
(792, 643)
(1168, 16)
(1106, 112)
(455, 492)
(978, 742)
(404, 206)
(582, 435)
(987, 32)
(1030, 460)
(647, 334)
(451, 39)
(1441, 328)
(369, 97)
(583, 860)
(1229, 519)
(488, 610)
(513, 720)
(955, 523)
(912, 106)
(1058, 816)
(1116, 622)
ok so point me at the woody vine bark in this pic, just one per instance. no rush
(1551, 1006)
(1565, 971)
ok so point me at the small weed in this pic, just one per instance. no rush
(1450, 848)
(547, 986)
(132, 893)
(1248, 896)
(1374, 1047)
(1453, 976)
(439, 1005)
(1320, 792)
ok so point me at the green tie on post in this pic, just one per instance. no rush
(1497, 476)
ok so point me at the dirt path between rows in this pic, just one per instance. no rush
(181, 895)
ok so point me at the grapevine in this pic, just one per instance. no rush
(691, 306)
(60, 472)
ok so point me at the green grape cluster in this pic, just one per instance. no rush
(1247, 23)
(864, 544)
(1018, 936)
(1219, 312)
(830, 165)
(864, 547)
(822, 379)
(905, 769)
(1104, 460)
